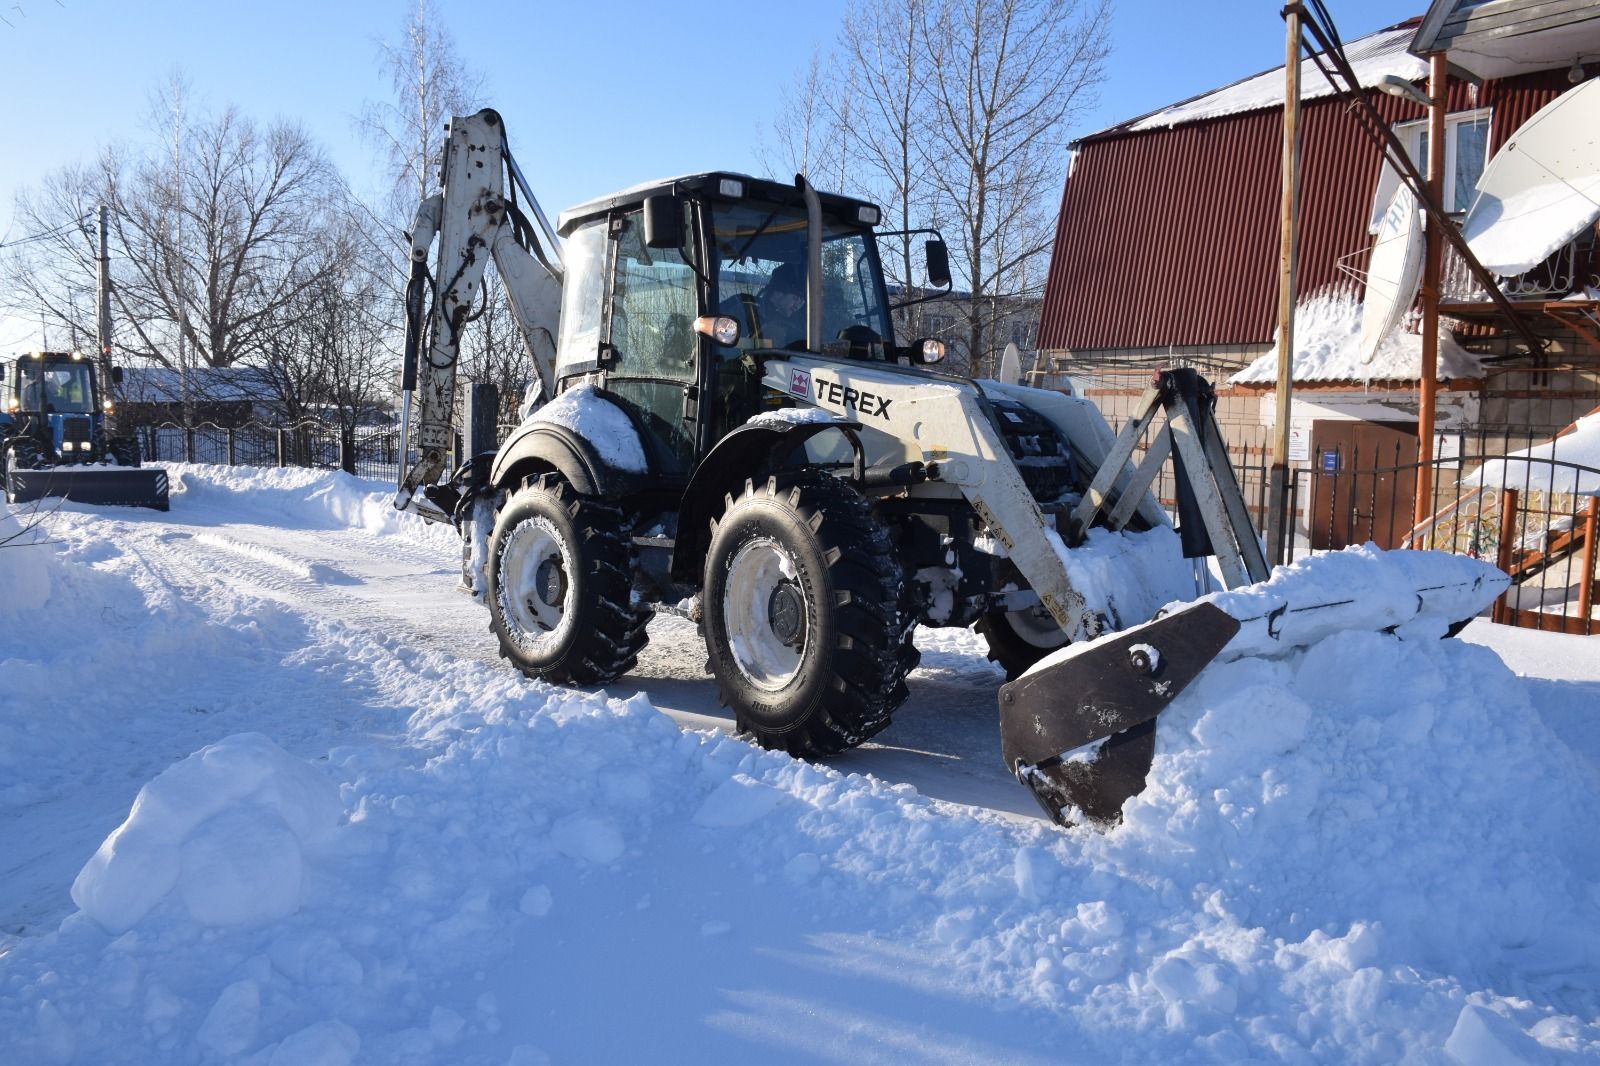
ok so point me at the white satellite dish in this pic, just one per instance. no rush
(1542, 188)
(1393, 272)
(1010, 365)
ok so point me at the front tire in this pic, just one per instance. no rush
(803, 620)
(1018, 639)
(560, 586)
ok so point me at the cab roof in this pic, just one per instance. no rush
(707, 185)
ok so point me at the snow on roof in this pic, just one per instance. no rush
(1327, 328)
(1371, 57)
(1534, 469)
(228, 384)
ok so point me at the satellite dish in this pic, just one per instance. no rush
(1394, 271)
(1010, 366)
(1541, 189)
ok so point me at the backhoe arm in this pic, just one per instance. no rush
(474, 221)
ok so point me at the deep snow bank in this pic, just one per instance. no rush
(293, 496)
(1367, 851)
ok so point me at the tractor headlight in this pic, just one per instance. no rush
(68, 446)
(928, 350)
(105, 405)
(720, 328)
(867, 215)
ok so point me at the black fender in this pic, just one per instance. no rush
(539, 447)
(741, 455)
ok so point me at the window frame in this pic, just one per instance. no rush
(1411, 134)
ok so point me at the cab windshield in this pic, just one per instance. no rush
(55, 388)
(761, 281)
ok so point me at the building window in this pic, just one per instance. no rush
(1466, 152)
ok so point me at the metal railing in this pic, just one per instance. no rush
(1569, 268)
(366, 451)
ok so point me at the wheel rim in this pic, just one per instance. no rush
(765, 610)
(1035, 626)
(536, 591)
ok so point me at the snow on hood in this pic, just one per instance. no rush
(1533, 469)
(1327, 335)
(600, 422)
(1372, 850)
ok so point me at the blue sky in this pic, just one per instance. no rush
(597, 95)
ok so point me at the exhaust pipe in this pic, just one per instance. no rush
(813, 264)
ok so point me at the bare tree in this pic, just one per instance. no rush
(881, 42)
(810, 128)
(1008, 77)
(430, 85)
(209, 237)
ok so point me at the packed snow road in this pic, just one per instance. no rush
(223, 549)
(359, 837)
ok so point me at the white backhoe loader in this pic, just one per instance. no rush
(725, 419)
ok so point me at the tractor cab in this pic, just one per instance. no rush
(54, 399)
(677, 292)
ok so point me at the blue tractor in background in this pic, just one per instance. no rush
(55, 436)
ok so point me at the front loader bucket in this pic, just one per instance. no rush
(127, 486)
(1079, 731)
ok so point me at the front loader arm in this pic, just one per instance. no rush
(474, 222)
(945, 423)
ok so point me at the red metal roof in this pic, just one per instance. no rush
(1170, 236)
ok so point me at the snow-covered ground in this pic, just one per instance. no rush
(268, 795)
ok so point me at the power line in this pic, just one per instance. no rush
(47, 234)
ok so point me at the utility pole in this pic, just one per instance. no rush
(1279, 521)
(102, 320)
(1428, 383)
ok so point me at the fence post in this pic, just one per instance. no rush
(1586, 591)
(233, 454)
(1508, 532)
(347, 449)
(283, 447)
(188, 444)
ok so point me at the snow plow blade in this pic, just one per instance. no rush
(126, 486)
(1106, 694)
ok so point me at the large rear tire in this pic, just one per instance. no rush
(1018, 639)
(560, 586)
(805, 629)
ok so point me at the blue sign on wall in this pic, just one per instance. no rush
(1330, 462)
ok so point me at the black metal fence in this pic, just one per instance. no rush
(366, 451)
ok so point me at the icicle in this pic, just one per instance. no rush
(1472, 95)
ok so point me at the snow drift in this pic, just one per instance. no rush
(1366, 851)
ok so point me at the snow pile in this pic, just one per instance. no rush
(1534, 470)
(26, 561)
(1514, 235)
(790, 415)
(1127, 576)
(1327, 342)
(1372, 58)
(224, 831)
(601, 423)
(1418, 594)
(1371, 850)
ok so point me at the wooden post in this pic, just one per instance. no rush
(1508, 533)
(1586, 591)
(1433, 259)
(1278, 520)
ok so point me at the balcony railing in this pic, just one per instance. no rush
(1573, 267)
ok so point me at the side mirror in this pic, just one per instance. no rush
(116, 375)
(938, 259)
(663, 222)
